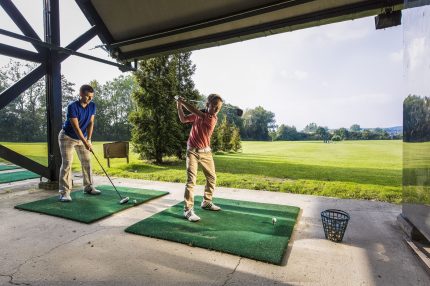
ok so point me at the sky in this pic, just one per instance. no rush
(335, 75)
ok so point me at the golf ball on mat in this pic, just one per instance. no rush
(274, 220)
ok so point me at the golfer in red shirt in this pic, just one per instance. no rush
(199, 152)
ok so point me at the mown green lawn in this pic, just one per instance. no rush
(350, 169)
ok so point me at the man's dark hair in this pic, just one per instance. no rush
(86, 88)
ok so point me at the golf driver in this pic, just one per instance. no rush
(123, 200)
(239, 112)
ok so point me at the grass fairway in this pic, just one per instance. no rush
(349, 169)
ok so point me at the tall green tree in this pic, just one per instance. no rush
(256, 124)
(226, 130)
(157, 131)
(235, 142)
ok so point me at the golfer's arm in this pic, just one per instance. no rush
(181, 114)
(90, 128)
(182, 117)
(75, 124)
(193, 109)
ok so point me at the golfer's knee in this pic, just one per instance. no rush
(211, 178)
(191, 182)
(66, 165)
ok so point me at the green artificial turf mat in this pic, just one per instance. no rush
(241, 228)
(8, 167)
(87, 208)
(17, 176)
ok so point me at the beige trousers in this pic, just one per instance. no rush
(207, 163)
(67, 144)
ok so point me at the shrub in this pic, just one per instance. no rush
(336, 138)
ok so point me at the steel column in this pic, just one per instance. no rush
(53, 86)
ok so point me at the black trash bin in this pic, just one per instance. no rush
(334, 224)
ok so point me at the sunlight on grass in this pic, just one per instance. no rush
(349, 169)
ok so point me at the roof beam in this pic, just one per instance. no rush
(21, 22)
(15, 52)
(20, 86)
(24, 162)
(91, 33)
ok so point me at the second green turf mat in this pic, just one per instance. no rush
(241, 228)
(4, 167)
(17, 176)
(87, 208)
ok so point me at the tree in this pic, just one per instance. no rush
(343, 133)
(286, 132)
(227, 132)
(157, 131)
(216, 140)
(355, 128)
(311, 128)
(416, 118)
(235, 142)
(322, 133)
(257, 123)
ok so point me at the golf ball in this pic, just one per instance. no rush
(274, 220)
(134, 201)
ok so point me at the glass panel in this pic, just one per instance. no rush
(416, 115)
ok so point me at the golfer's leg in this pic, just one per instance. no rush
(85, 157)
(192, 163)
(66, 150)
(208, 166)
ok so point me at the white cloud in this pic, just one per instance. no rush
(295, 75)
(349, 31)
(325, 83)
(396, 56)
(300, 75)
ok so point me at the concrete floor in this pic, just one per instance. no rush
(43, 250)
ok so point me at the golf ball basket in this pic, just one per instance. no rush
(334, 224)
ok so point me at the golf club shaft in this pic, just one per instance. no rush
(106, 174)
(229, 107)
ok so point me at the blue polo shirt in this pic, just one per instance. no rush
(75, 110)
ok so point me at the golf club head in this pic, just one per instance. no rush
(124, 200)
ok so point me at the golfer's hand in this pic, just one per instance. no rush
(179, 101)
(88, 145)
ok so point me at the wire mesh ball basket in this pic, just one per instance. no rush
(334, 224)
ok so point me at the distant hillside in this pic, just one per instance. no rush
(396, 130)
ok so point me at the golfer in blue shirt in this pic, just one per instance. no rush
(76, 134)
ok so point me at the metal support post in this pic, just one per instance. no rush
(53, 86)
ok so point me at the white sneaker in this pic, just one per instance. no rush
(210, 206)
(191, 216)
(65, 197)
(91, 190)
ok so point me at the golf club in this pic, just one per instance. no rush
(123, 200)
(239, 112)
